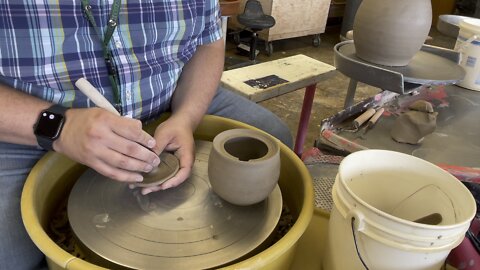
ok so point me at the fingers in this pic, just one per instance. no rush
(129, 140)
(95, 138)
(173, 135)
(131, 152)
(179, 178)
(115, 173)
(124, 162)
(186, 158)
(132, 130)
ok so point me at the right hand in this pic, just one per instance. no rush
(107, 143)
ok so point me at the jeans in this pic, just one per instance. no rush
(17, 251)
(233, 106)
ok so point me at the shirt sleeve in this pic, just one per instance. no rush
(213, 25)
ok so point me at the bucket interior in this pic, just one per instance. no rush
(407, 188)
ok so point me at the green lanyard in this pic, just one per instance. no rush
(107, 55)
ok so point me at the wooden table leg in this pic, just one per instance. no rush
(304, 118)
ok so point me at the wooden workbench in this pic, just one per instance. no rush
(271, 79)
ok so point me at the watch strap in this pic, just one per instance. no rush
(47, 143)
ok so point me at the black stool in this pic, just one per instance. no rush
(256, 20)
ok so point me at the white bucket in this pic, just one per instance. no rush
(468, 44)
(377, 196)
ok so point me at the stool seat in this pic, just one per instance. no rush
(256, 21)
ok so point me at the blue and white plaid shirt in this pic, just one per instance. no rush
(46, 45)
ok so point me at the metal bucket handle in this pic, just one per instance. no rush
(356, 216)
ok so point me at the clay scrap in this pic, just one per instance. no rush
(412, 126)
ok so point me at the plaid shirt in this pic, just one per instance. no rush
(46, 45)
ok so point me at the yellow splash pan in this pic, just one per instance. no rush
(54, 175)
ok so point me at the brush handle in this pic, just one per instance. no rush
(363, 117)
(92, 93)
(375, 117)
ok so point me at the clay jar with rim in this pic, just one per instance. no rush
(391, 32)
(244, 166)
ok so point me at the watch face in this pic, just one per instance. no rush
(49, 125)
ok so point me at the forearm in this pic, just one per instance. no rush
(198, 83)
(19, 112)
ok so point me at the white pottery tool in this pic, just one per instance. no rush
(92, 93)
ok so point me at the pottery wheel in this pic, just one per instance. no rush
(187, 227)
(424, 67)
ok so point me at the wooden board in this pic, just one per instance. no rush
(298, 71)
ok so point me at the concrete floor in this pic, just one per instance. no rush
(330, 94)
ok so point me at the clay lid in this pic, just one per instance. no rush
(168, 167)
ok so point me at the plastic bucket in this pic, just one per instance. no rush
(468, 44)
(52, 178)
(377, 195)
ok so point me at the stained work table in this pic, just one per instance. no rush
(274, 78)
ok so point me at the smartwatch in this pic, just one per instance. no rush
(49, 126)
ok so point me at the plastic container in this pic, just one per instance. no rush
(54, 175)
(378, 195)
(468, 44)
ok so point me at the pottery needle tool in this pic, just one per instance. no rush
(94, 95)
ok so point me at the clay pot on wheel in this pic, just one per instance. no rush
(391, 32)
(244, 166)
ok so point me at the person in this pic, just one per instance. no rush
(145, 57)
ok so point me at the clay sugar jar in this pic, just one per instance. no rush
(391, 32)
(244, 166)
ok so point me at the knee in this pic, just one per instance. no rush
(281, 131)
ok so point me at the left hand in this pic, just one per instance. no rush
(175, 135)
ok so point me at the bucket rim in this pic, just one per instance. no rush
(401, 220)
(470, 24)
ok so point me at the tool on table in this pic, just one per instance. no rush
(371, 122)
(360, 120)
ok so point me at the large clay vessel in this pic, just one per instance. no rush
(244, 166)
(391, 32)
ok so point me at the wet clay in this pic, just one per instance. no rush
(391, 32)
(168, 167)
(412, 126)
(244, 166)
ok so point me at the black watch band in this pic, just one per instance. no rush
(48, 130)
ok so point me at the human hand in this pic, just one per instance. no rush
(107, 143)
(175, 135)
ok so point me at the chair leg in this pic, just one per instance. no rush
(352, 88)
(253, 46)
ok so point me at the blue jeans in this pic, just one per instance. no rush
(230, 105)
(17, 251)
